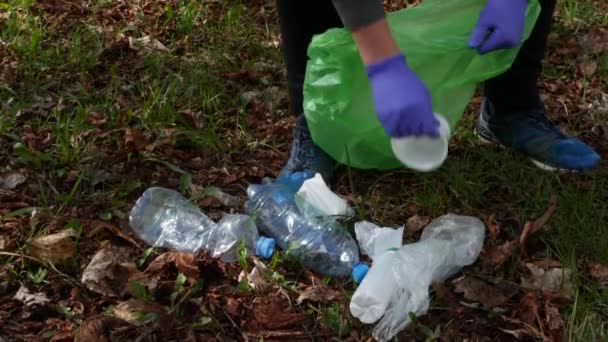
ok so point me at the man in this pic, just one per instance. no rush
(512, 113)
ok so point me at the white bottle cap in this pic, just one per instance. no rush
(423, 153)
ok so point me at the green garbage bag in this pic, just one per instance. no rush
(434, 36)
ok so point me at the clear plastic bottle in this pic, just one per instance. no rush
(164, 218)
(319, 242)
(398, 281)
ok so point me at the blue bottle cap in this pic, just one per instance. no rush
(359, 272)
(264, 247)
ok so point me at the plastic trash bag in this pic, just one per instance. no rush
(434, 36)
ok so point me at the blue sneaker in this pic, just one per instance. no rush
(531, 133)
(306, 158)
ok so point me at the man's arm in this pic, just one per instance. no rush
(366, 21)
(401, 100)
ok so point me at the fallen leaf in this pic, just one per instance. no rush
(270, 313)
(129, 142)
(479, 291)
(111, 273)
(415, 224)
(546, 263)
(93, 227)
(99, 328)
(531, 228)
(600, 274)
(595, 41)
(518, 334)
(493, 229)
(588, 68)
(54, 247)
(529, 328)
(138, 312)
(146, 44)
(554, 320)
(5, 243)
(30, 299)
(232, 306)
(497, 255)
(319, 293)
(12, 180)
(257, 278)
(183, 262)
(555, 280)
(529, 309)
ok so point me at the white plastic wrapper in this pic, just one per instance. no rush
(318, 195)
(398, 281)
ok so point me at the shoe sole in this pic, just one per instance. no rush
(537, 163)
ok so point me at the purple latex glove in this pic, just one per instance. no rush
(402, 102)
(502, 22)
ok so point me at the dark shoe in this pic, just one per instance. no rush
(306, 158)
(531, 133)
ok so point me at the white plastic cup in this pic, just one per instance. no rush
(423, 153)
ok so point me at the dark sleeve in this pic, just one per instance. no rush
(357, 13)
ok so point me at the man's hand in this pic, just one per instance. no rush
(500, 25)
(401, 100)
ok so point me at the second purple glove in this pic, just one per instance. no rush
(402, 102)
(500, 25)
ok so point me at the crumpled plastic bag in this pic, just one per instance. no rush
(434, 36)
(374, 240)
(398, 282)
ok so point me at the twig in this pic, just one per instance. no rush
(236, 326)
(184, 297)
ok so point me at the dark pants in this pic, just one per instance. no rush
(514, 89)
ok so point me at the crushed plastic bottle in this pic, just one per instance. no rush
(399, 279)
(319, 242)
(164, 218)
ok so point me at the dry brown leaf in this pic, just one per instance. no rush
(529, 309)
(554, 321)
(30, 299)
(146, 44)
(12, 180)
(232, 306)
(492, 225)
(5, 243)
(111, 273)
(532, 330)
(415, 224)
(129, 141)
(183, 262)
(497, 255)
(270, 313)
(94, 226)
(589, 68)
(556, 280)
(98, 328)
(319, 293)
(478, 291)
(257, 277)
(546, 263)
(600, 274)
(138, 312)
(54, 247)
(531, 228)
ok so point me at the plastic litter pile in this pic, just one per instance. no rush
(399, 279)
(301, 215)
